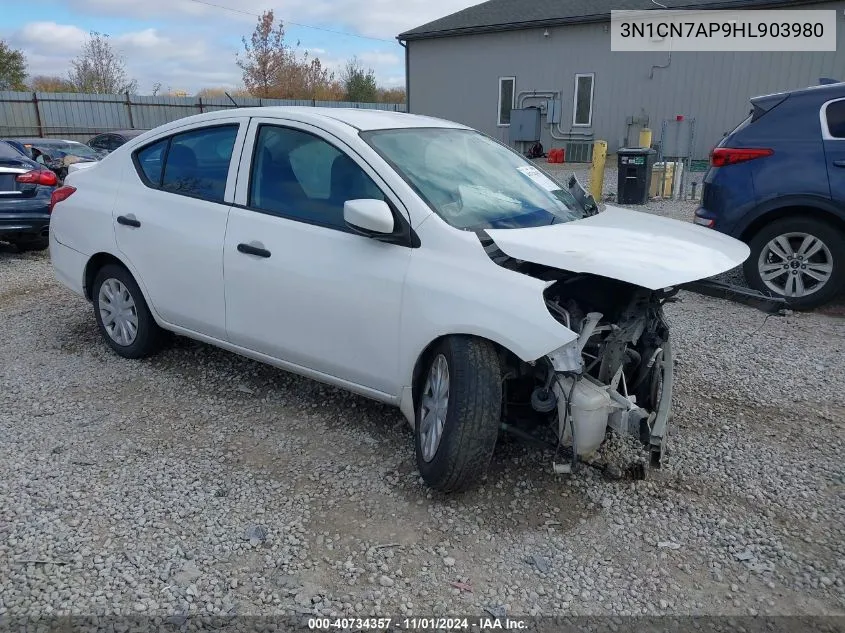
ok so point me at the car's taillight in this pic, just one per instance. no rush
(38, 177)
(62, 193)
(724, 156)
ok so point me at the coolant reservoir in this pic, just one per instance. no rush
(590, 410)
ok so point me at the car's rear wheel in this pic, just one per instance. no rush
(122, 314)
(36, 244)
(458, 413)
(800, 259)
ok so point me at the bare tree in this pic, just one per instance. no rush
(264, 56)
(391, 95)
(47, 83)
(273, 69)
(99, 69)
(220, 92)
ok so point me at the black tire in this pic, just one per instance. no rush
(36, 244)
(149, 335)
(473, 414)
(832, 238)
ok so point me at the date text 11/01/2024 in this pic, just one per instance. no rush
(416, 624)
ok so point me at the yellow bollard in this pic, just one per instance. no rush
(645, 137)
(597, 171)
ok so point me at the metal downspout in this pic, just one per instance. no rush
(407, 75)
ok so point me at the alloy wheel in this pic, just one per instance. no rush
(795, 264)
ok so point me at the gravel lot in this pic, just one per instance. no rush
(199, 482)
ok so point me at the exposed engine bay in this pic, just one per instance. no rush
(623, 378)
(617, 375)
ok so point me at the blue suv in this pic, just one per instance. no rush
(777, 182)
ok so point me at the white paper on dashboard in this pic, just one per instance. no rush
(539, 177)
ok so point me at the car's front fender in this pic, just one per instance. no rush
(456, 289)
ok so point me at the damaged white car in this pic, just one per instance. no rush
(408, 259)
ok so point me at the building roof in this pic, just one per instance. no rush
(509, 15)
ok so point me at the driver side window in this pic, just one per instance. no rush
(300, 176)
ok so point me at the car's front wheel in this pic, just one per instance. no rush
(458, 413)
(800, 259)
(122, 314)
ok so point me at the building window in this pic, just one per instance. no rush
(582, 108)
(506, 96)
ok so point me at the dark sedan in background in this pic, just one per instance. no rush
(110, 141)
(56, 154)
(26, 188)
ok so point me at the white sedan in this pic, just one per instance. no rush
(408, 259)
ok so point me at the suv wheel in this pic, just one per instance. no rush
(800, 259)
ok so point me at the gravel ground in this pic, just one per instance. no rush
(199, 482)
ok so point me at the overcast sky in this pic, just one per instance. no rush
(187, 45)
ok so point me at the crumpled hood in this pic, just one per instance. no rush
(640, 248)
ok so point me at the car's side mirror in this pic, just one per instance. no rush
(369, 217)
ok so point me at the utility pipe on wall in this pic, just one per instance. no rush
(524, 95)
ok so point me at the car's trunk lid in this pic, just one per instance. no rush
(639, 248)
(9, 186)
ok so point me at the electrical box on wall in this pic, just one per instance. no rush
(525, 125)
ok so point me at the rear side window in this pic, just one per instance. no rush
(98, 142)
(197, 162)
(7, 152)
(835, 113)
(194, 163)
(151, 160)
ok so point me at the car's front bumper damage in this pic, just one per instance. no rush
(618, 376)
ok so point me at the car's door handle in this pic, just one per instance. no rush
(248, 249)
(125, 221)
(839, 163)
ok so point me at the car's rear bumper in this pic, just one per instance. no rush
(68, 265)
(705, 218)
(717, 221)
(25, 224)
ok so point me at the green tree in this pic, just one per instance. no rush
(99, 69)
(12, 68)
(360, 83)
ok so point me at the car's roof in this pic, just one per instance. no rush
(124, 133)
(359, 118)
(43, 141)
(821, 90)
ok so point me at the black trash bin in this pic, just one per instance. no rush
(634, 176)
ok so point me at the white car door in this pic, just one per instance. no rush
(170, 221)
(300, 285)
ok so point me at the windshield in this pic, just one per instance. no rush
(473, 182)
(75, 149)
